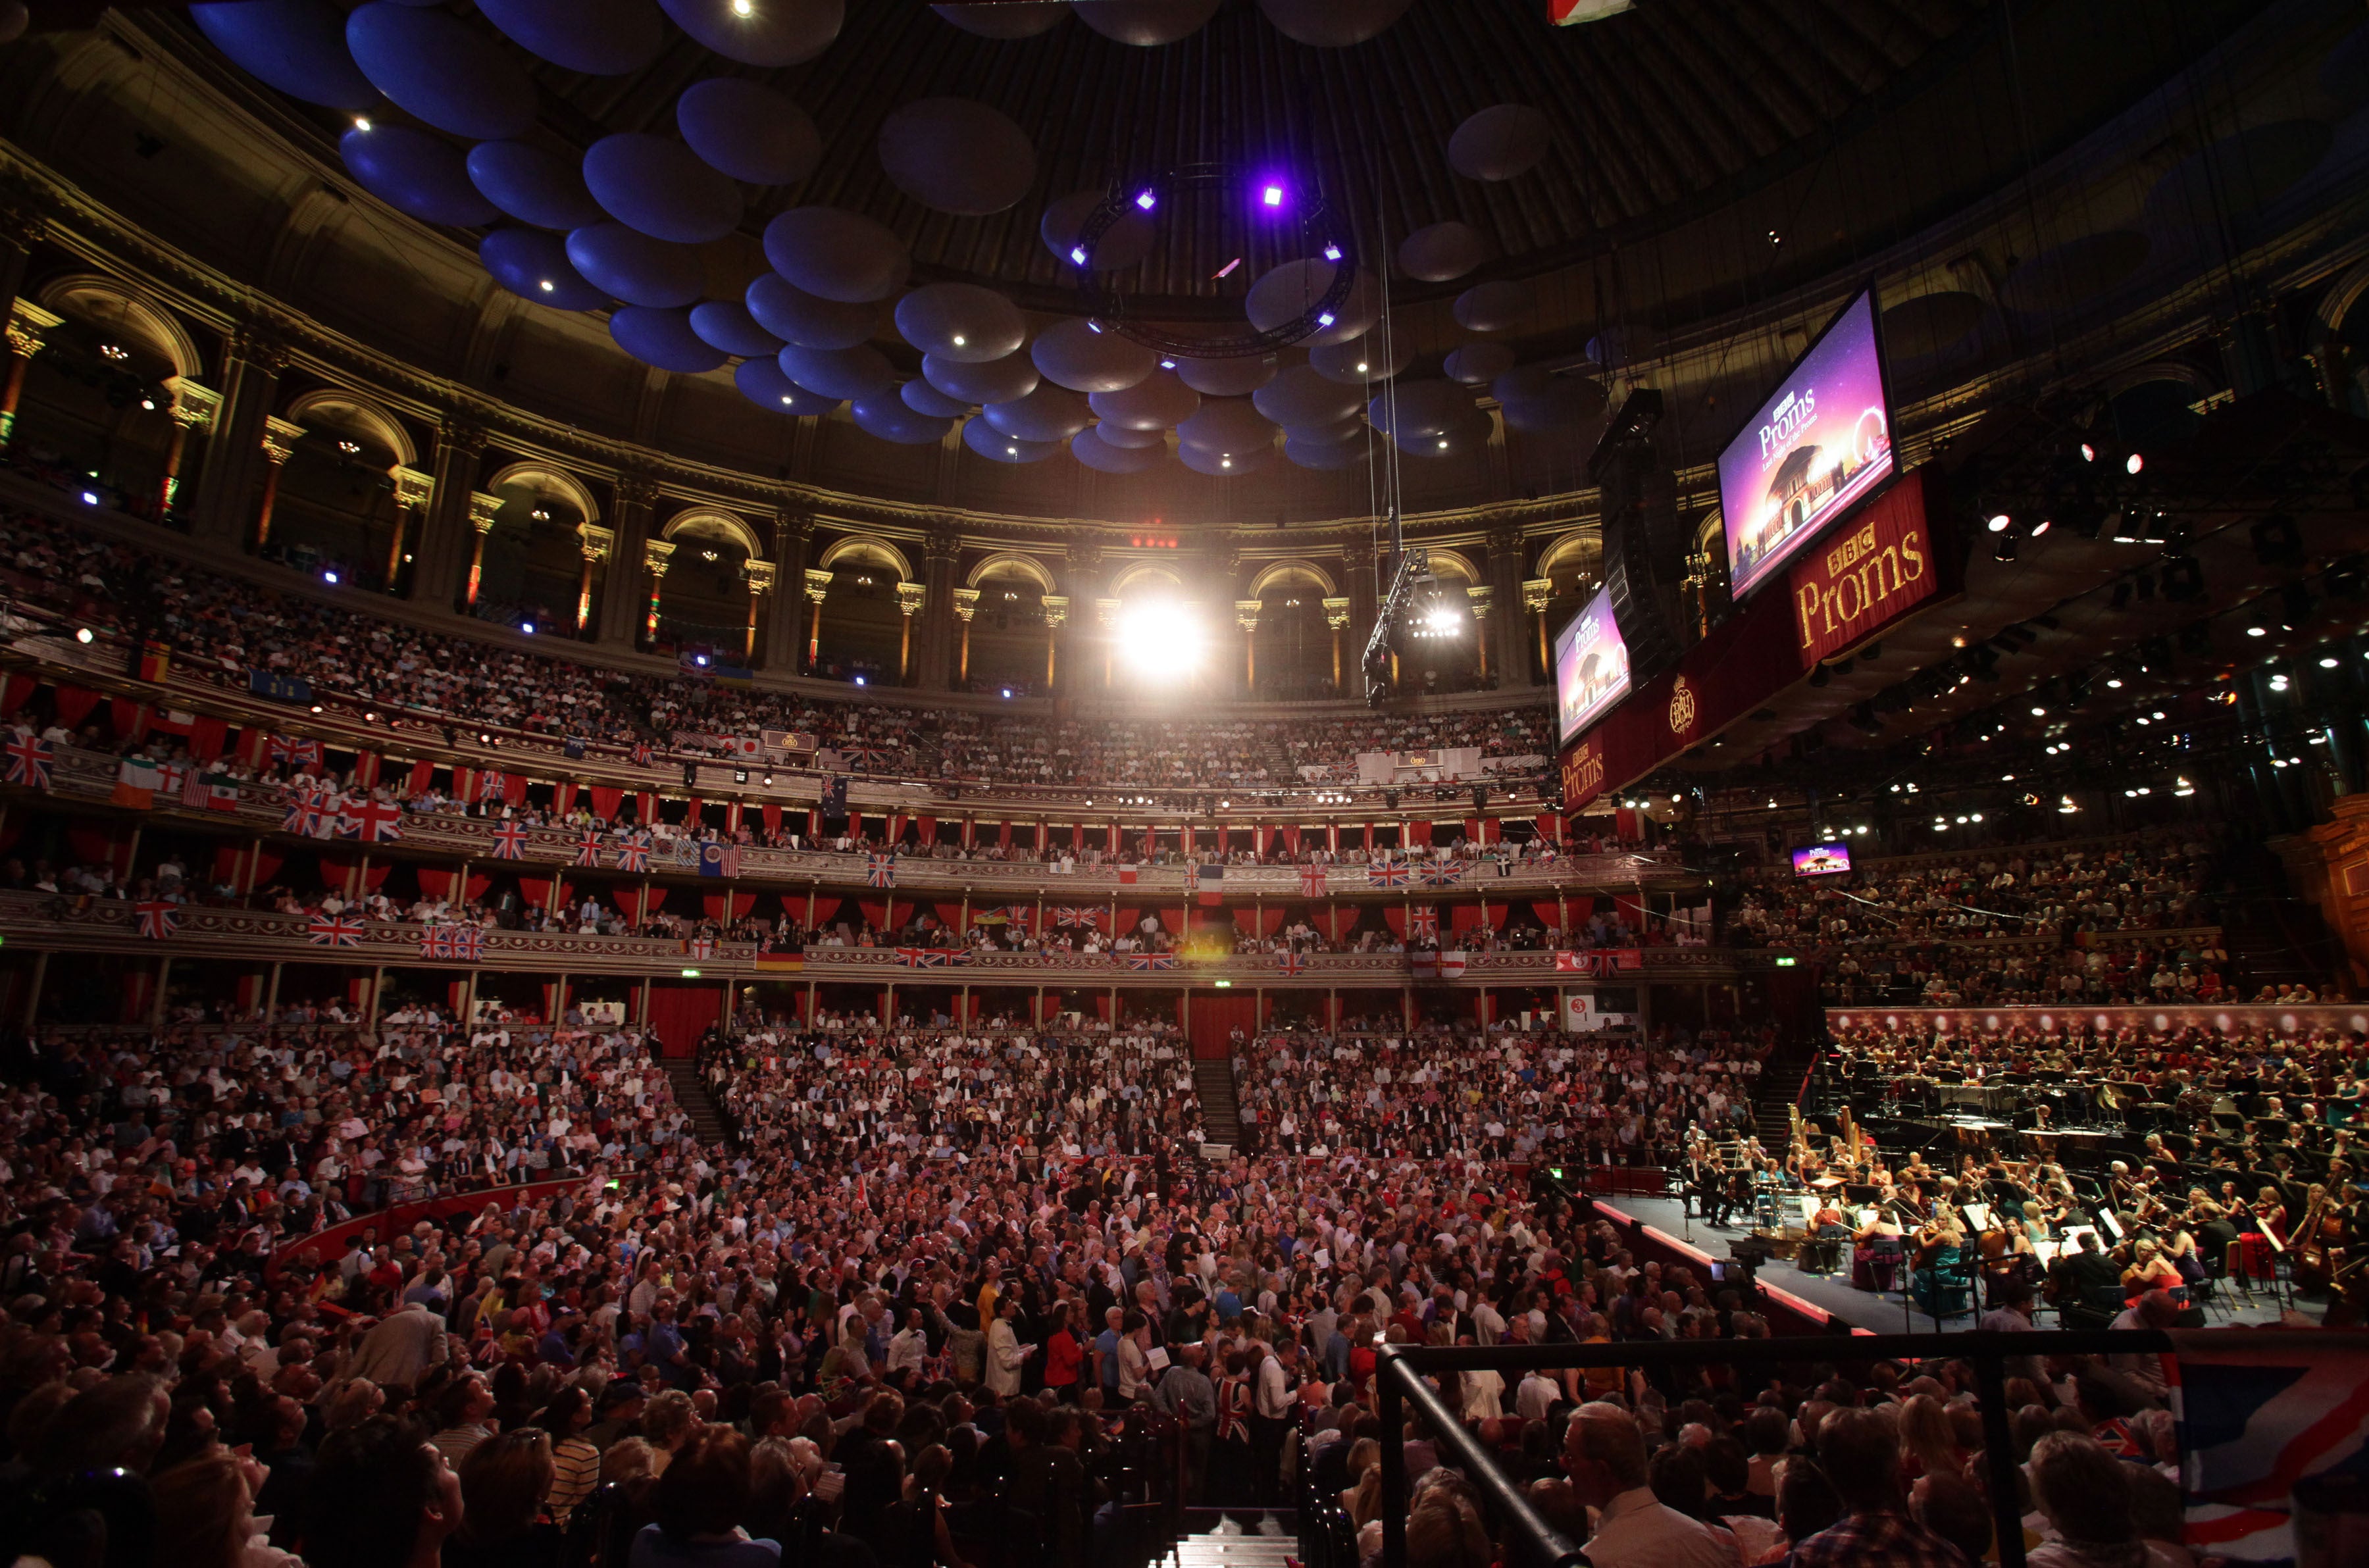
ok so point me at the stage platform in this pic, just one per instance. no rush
(1821, 1297)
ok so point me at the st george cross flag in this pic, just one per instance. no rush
(2254, 1419)
(510, 841)
(1451, 965)
(31, 758)
(330, 807)
(1423, 922)
(880, 870)
(719, 859)
(633, 852)
(1150, 960)
(587, 847)
(701, 946)
(158, 919)
(333, 931)
(1312, 882)
(1290, 963)
(1387, 871)
(1443, 872)
(371, 822)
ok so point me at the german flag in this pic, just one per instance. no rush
(156, 662)
(781, 963)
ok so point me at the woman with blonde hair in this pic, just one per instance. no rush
(2149, 1269)
(205, 1507)
(1928, 1443)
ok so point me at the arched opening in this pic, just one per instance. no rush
(336, 510)
(705, 600)
(860, 632)
(1293, 652)
(1006, 638)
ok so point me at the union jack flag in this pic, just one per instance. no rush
(1071, 914)
(510, 841)
(492, 783)
(642, 756)
(459, 943)
(587, 847)
(371, 822)
(306, 809)
(158, 919)
(2253, 1421)
(30, 761)
(931, 957)
(633, 852)
(1150, 960)
(1443, 872)
(333, 931)
(288, 750)
(1192, 878)
(1422, 921)
(1312, 882)
(1290, 963)
(1020, 916)
(1388, 872)
(880, 870)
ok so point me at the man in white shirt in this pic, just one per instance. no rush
(1536, 1395)
(1604, 1454)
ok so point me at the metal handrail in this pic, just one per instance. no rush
(1401, 1369)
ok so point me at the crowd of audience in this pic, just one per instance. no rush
(2115, 922)
(225, 628)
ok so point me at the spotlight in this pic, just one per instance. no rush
(1095, 328)
(2184, 580)
(1145, 200)
(1159, 641)
(859, 680)
(548, 286)
(330, 578)
(1078, 255)
(82, 634)
(1331, 253)
(2328, 663)
(362, 123)
(1167, 364)
(1998, 523)
(2133, 464)
(1325, 319)
(2005, 549)
(90, 497)
(744, 7)
(2258, 631)
(2089, 452)
(2294, 606)
(527, 627)
(2040, 528)
(1272, 196)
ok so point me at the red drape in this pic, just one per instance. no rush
(1291, 840)
(950, 916)
(1549, 825)
(1419, 833)
(1631, 912)
(929, 829)
(1270, 920)
(1369, 838)
(773, 815)
(562, 798)
(680, 1014)
(741, 904)
(540, 890)
(129, 719)
(653, 900)
(207, 737)
(1550, 913)
(1003, 835)
(229, 862)
(337, 871)
(368, 767)
(74, 704)
(16, 692)
(876, 915)
(435, 883)
(1214, 1020)
(606, 802)
(479, 881)
(1128, 918)
(1173, 920)
(1397, 917)
(1462, 918)
(645, 808)
(422, 774)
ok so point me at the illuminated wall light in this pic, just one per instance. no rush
(2114, 685)
(1331, 253)
(547, 286)
(1273, 197)
(362, 123)
(1998, 523)
(1078, 255)
(2258, 631)
(2329, 662)
(1145, 200)
(2134, 465)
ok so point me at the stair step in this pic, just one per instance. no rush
(1234, 1550)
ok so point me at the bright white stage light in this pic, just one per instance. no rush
(1159, 641)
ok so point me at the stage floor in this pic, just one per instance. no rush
(1837, 1297)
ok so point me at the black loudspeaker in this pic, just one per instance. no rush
(1645, 548)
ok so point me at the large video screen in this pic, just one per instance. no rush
(1591, 668)
(1820, 444)
(1822, 860)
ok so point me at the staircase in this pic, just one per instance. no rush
(1241, 1540)
(690, 1094)
(1782, 1078)
(2273, 938)
(1221, 1117)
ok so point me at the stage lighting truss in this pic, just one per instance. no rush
(1326, 236)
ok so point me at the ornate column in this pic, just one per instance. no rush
(622, 604)
(818, 588)
(1057, 615)
(656, 555)
(250, 387)
(28, 328)
(194, 408)
(909, 597)
(1537, 594)
(1506, 548)
(278, 444)
(966, 606)
(792, 530)
(482, 507)
(436, 557)
(1481, 598)
(941, 551)
(415, 493)
(1246, 616)
(762, 578)
(596, 545)
(1337, 618)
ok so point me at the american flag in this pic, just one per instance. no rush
(293, 750)
(2254, 1420)
(510, 841)
(931, 957)
(1086, 918)
(30, 760)
(633, 852)
(333, 931)
(1290, 963)
(880, 870)
(1443, 872)
(371, 822)
(1388, 872)
(158, 919)
(587, 847)
(1423, 922)
(1312, 882)
(1150, 960)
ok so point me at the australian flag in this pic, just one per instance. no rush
(719, 859)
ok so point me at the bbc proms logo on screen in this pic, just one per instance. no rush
(1792, 417)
